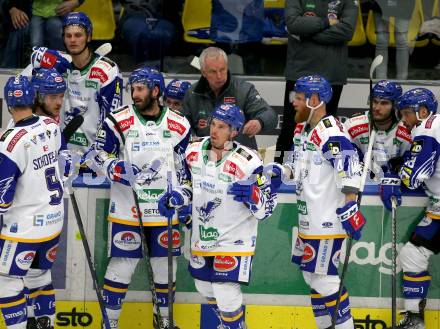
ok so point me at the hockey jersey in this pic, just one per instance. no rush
(92, 92)
(388, 144)
(31, 192)
(421, 167)
(155, 147)
(222, 226)
(326, 165)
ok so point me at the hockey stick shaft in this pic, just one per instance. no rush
(89, 258)
(393, 262)
(144, 246)
(170, 258)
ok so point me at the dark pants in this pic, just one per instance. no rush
(285, 139)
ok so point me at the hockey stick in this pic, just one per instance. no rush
(170, 258)
(145, 252)
(72, 126)
(89, 257)
(367, 162)
(393, 262)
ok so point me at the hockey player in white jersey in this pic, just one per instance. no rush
(421, 168)
(392, 138)
(94, 83)
(31, 221)
(154, 142)
(229, 195)
(327, 176)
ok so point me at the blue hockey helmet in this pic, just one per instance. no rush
(417, 97)
(19, 91)
(80, 19)
(229, 113)
(314, 84)
(387, 90)
(149, 76)
(176, 89)
(48, 81)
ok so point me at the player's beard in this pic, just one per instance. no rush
(302, 115)
(146, 104)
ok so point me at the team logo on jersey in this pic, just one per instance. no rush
(232, 168)
(51, 254)
(162, 239)
(42, 137)
(225, 263)
(315, 138)
(417, 146)
(197, 262)
(335, 148)
(327, 123)
(208, 234)
(175, 126)
(98, 73)
(15, 139)
(5, 184)
(24, 259)
(302, 207)
(403, 133)
(126, 123)
(127, 240)
(205, 211)
(309, 253)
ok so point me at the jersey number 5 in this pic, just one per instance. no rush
(53, 184)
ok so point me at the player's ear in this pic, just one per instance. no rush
(314, 100)
(423, 112)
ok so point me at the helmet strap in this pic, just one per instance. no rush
(418, 117)
(312, 109)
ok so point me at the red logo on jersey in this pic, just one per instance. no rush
(358, 130)
(48, 61)
(225, 263)
(298, 129)
(428, 123)
(126, 123)
(49, 120)
(15, 139)
(315, 138)
(175, 126)
(192, 156)
(51, 254)
(403, 133)
(163, 239)
(233, 169)
(98, 73)
(309, 253)
(45, 148)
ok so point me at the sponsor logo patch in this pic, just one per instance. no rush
(358, 130)
(24, 259)
(98, 73)
(225, 263)
(175, 126)
(51, 254)
(127, 240)
(162, 239)
(309, 253)
(15, 139)
(232, 168)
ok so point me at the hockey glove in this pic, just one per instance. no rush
(49, 59)
(122, 172)
(274, 172)
(351, 219)
(251, 194)
(168, 202)
(390, 188)
(185, 216)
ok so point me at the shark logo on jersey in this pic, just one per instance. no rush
(150, 172)
(5, 184)
(205, 212)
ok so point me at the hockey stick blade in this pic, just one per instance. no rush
(72, 126)
(104, 49)
(376, 62)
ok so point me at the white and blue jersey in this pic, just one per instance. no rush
(31, 192)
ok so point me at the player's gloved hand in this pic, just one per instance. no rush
(274, 172)
(48, 59)
(122, 172)
(351, 219)
(250, 194)
(185, 216)
(390, 188)
(168, 203)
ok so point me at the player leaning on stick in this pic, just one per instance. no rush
(327, 175)
(154, 141)
(229, 196)
(418, 108)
